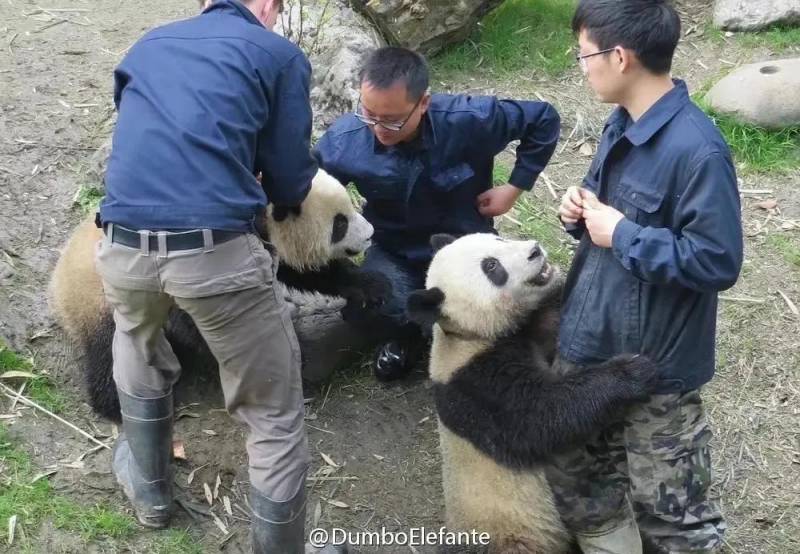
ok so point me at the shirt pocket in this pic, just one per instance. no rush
(641, 202)
(448, 179)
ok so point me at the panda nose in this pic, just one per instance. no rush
(536, 251)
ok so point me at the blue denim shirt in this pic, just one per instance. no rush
(204, 105)
(655, 291)
(430, 185)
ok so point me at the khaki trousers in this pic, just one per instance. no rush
(228, 290)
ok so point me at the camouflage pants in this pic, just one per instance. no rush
(657, 457)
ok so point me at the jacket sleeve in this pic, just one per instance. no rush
(704, 251)
(284, 155)
(536, 125)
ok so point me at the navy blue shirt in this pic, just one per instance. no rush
(431, 185)
(204, 105)
(655, 291)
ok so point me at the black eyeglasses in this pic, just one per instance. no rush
(388, 125)
(581, 59)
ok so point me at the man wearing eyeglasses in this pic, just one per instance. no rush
(658, 218)
(424, 164)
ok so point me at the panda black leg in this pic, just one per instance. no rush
(99, 370)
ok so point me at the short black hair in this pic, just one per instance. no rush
(651, 28)
(392, 64)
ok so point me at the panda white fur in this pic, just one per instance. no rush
(313, 243)
(503, 407)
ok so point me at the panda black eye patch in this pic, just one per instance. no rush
(339, 231)
(495, 271)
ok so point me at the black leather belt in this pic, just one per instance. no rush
(176, 240)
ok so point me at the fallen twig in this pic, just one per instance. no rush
(33, 404)
(789, 303)
(743, 299)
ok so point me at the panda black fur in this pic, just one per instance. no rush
(505, 403)
(312, 241)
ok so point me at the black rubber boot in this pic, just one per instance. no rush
(396, 358)
(142, 456)
(279, 527)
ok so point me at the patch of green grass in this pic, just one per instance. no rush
(777, 39)
(176, 541)
(500, 174)
(40, 389)
(788, 247)
(33, 502)
(88, 198)
(756, 149)
(520, 35)
(91, 523)
(542, 226)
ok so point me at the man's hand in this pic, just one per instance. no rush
(601, 220)
(571, 208)
(498, 200)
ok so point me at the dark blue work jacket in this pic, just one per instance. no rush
(204, 105)
(431, 184)
(655, 291)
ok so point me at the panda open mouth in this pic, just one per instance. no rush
(352, 251)
(543, 277)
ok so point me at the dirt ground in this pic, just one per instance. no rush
(56, 109)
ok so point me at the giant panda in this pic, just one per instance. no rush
(504, 402)
(313, 241)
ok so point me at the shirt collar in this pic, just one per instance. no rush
(232, 6)
(658, 115)
(424, 141)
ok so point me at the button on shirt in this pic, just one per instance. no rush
(431, 184)
(204, 105)
(655, 291)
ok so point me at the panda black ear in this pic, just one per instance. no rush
(279, 213)
(440, 240)
(425, 306)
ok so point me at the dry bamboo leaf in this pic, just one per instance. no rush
(218, 523)
(378, 457)
(12, 528)
(586, 149)
(227, 503)
(178, 451)
(44, 474)
(770, 204)
(209, 496)
(423, 420)
(216, 487)
(328, 460)
(210, 432)
(191, 474)
(317, 514)
(338, 503)
(17, 375)
(789, 303)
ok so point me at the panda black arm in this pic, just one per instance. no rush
(339, 278)
(519, 417)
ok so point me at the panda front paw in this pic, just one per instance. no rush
(375, 288)
(365, 297)
(639, 373)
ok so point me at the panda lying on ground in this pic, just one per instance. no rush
(313, 243)
(503, 407)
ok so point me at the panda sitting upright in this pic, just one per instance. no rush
(503, 407)
(313, 243)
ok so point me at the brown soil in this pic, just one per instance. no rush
(56, 109)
